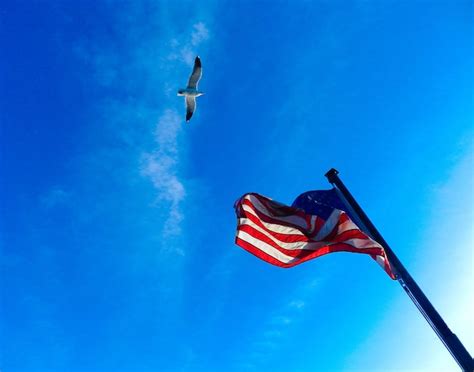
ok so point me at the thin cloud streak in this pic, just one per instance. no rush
(282, 321)
(200, 33)
(129, 119)
(186, 50)
(161, 167)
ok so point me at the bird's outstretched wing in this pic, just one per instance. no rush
(196, 75)
(190, 107)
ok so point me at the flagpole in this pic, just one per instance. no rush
(449, 339)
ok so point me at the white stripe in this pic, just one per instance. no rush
(350, 225)
(346, 226)
(295, 220)
(281, 229)
(328, 225)
(311, 245)
(285, 245)
(381, 261)
(264, 247)
(326, 229)
(268, 249)
(362, 243)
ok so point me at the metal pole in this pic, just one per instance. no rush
(449, 339)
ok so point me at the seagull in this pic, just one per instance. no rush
(191, 92)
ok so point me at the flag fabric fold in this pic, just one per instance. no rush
(316, 224)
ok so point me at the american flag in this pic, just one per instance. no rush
(316, 224)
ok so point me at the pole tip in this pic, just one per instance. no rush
(331, 174)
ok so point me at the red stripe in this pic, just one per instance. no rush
(387, 266)
(351, 234)
(259, 253)
(288, 238)
(333, 233)
(314, 254)
(283, 237)
(293, 238)
(333, 242)
(301, 252)
(307, 231)
(318, 225)
(269, 219)
(279, 209)
(262, 237)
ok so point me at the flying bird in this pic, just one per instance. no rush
(191, 92)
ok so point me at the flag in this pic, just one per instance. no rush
(316, 224)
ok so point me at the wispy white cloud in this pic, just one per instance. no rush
(151, 68)
(161, 167)
(185, 50)
(161, 164)
(297, 304)
(200, 33)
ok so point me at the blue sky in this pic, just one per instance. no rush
(117, 220)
